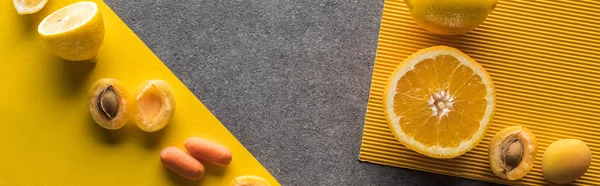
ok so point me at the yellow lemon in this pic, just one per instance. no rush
(450, 17)
(29, 6)
(439, 102)
(74, 32)
(249, 181)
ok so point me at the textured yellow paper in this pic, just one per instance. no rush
(47, 136)
(544, 57)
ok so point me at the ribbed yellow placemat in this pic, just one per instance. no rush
(544, 59)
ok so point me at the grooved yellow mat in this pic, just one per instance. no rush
(544, 58)
(47, 136)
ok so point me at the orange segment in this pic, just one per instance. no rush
(439, 102)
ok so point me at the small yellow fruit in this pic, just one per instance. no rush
(512, 152)
(450, 17)
(107, 102)
(74, 32)
(154, 105)
(566, 160)
(249, 181)
(29, 6)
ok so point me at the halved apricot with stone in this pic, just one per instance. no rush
(154, 105)
(107, 102)
(512, 152)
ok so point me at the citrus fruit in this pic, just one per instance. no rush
(249, 181)
(450, 17)
(154, 105)
(29, 6)
(74, 32)
(439, 102)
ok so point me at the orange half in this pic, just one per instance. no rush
(439, 102)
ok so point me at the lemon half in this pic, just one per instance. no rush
(29, 6)
(450, 17)
(249, 180)
(74, 32)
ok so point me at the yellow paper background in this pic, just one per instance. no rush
(544, 58)
(47, 136)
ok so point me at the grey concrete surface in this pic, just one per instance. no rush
(290, 79)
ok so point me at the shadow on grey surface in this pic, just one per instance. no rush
(177, 179)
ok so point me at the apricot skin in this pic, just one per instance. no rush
(566, 160)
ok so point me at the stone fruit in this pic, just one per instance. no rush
(450, 17)
(107, 102)
(249, 181)
(29, 6)
(182, 163)
(154, 105)
(209, 151)
(566, 160)
(74, 32)
(430, 109)
(512, 152)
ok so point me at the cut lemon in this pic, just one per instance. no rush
(74, 32)
(439, 102)
(29, 6)
(450, 17)
(249, 180)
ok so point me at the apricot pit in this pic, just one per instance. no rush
(512, 152)
(107, 102)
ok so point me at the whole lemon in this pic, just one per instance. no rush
(450, 17)
(566, 160)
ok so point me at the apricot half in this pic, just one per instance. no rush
(154, 105)
(107, 102)
(566, 160)
(512, 152)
